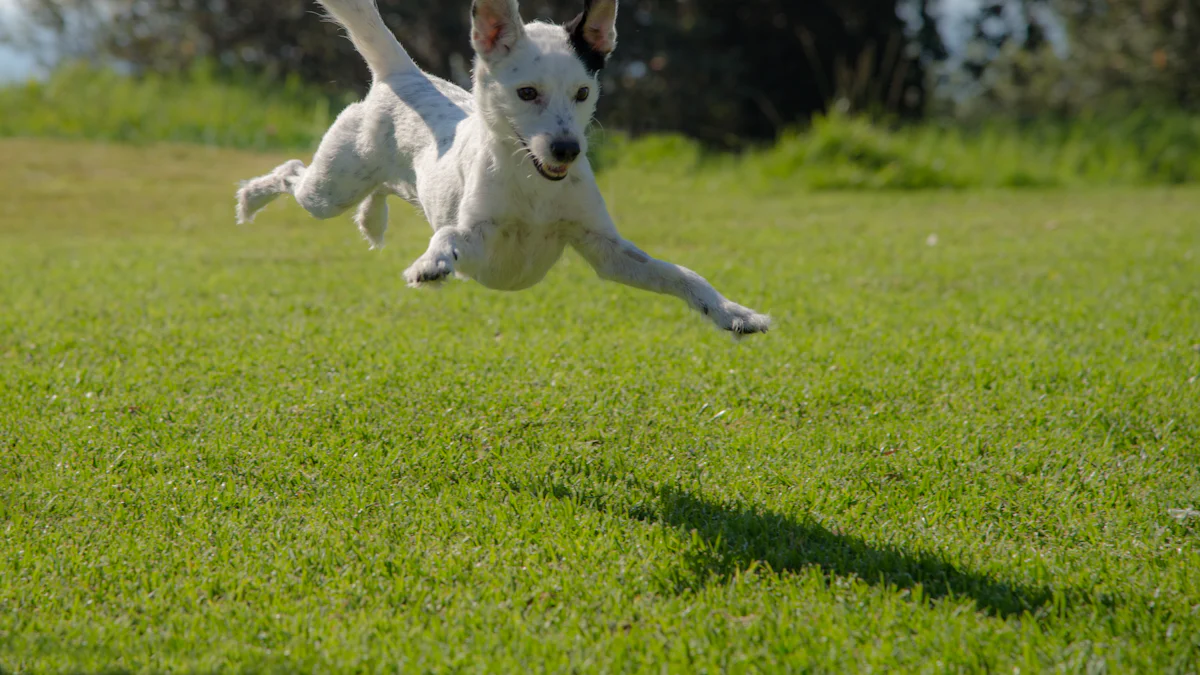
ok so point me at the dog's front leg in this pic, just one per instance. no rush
(616, 259)
(447, 246)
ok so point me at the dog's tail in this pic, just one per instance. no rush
(370, 36)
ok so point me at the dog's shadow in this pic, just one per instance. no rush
(736, 538)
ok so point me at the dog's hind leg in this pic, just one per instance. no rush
(342, 173)
(256, 193)
(372, 217)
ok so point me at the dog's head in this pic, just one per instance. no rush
(537, 82)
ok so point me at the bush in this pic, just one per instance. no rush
(838, 152)
(851, 153)
(841, 153)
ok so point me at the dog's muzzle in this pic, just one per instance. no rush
(563, 155)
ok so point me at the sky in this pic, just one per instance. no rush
(16, 65)
(954, 10)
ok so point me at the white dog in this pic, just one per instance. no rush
(500, 172)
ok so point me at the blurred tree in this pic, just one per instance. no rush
(1118, 55)
(723, 71)
(269, 37)
(1141, 50)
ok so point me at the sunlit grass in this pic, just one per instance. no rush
(970, 443)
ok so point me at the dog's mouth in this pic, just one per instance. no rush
(550, 171)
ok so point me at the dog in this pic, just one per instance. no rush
(500, 172)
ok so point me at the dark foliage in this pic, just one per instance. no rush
(717, 70)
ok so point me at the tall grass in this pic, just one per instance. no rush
(834, 153)
(79, 101)
(847, 153)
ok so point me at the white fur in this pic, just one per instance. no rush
(479, 164)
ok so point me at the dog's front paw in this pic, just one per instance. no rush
(739, 320)
(428, 270)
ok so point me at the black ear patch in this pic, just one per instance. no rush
(593, 59)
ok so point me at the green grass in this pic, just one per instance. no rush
(970, 443)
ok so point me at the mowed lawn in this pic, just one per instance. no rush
(970, 443)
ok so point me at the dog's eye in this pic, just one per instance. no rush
(527, 93)
(582, 94)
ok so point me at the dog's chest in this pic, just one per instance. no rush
(518, 252)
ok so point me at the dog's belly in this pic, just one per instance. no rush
(517, 256)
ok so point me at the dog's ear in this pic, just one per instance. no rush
(594, 33)
(496, 27)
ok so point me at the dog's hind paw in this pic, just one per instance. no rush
(244, 211)
(256, 193)
(428, 271)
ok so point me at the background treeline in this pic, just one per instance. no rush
(832, 94)
(717, 70)
(720, 71)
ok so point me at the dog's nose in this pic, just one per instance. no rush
(564, 150)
